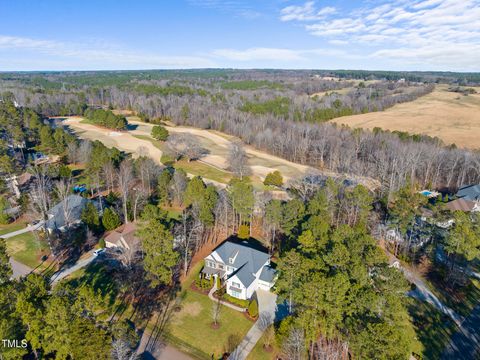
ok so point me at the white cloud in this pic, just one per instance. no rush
(305, 12)
(429, 31)
(259, 54)
(238, 7)
(92, 55)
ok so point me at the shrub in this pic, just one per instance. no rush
(253, 308)
(244, 232)
(102, 244)
(159, 133)
(233, 300)
(274, 178)
(219, 282)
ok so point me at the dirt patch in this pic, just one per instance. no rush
(450, 116)
(192, 309)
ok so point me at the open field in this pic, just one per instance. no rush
(451, 116)
(14, 226)
(138, 141)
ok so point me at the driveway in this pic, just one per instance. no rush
(59, 275)
(267, 308)
(19, 269)
(22, 231)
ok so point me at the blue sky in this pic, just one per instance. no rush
(322, 34)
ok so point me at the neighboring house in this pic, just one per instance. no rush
(123, 238)
(66, 213)
(468, 199)
(19, 184)
(243, 268)
(470, 192)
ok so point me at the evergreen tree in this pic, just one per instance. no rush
(110, 219)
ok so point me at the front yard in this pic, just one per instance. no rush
(27, 248)
(192, 325)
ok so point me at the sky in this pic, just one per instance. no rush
(436, 35)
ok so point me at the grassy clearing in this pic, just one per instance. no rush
(27, 249)
(192, 325)
(193, 167)
(433, 329)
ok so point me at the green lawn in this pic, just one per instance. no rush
(27, 249)
(192, 325)
(433, 329)
(5, 229)
(259, 352)
(193, 167)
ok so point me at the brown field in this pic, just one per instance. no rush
(452, 117)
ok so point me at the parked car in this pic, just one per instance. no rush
(98, 252)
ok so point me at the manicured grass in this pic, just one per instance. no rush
(193, 167)
(259, 352)
(433, 329)
(27, 249)
(192, 325)
(8, 228)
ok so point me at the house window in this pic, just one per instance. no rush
(231, 260)
(237, 285)
(211, 264)
(221, 267)
(236, 294)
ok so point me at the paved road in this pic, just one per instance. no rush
(22, 231)
(465, 343)
(150, 349)
(267, 307)
(19, 269)
(59, 275)
(422, 292)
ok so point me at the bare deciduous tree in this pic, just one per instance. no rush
(125, 180)
(238, 160)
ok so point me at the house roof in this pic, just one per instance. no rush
(470, 192)
(267, 274)
(126, 233)
(460, 205)
(75, 204)
(242, 256)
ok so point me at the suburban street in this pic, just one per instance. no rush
(19, 269)
(465, 343)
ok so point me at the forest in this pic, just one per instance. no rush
(273, 111)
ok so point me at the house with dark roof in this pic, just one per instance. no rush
(66, 213)
(468, 199)
(243, 268)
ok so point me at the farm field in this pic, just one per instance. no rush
(451, 116)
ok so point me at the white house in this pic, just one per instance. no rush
(243, 268)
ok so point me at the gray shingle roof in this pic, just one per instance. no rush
(245, 258)
(470, 192)
(267, 274)
(243, 254)
(75, 203)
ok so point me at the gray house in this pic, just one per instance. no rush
(66, 213)
(243, 268)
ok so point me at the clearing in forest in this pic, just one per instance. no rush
(452, 117)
